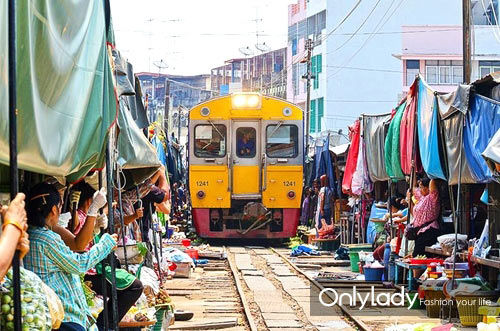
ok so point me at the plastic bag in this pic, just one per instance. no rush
(36, 315)
(55, 306)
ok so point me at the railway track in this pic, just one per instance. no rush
(277, 295)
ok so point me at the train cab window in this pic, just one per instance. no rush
(245, 142)
(282, 141)
(210, 140)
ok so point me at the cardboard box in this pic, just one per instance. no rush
(183, 270)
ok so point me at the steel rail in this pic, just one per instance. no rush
(320, 287)
(241, 293)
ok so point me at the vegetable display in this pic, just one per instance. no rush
(34, 309)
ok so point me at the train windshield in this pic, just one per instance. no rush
(210, 140)
(282, 141)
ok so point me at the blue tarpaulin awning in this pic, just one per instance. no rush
(481, 123)
(428, 132)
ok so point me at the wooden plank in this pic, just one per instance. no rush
(206, 326)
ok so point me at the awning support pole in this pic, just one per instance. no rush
(111, 229)
(14, 178)
(122, 223)
(104, 283)
(155, 244)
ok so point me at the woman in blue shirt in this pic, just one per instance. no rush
(52, 260)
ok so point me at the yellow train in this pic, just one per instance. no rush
(245, 156)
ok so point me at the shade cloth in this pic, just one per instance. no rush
(452, 109)
(361, 179)
(374, 132)
(324, 165)
(352, 157)
(428, 132)
(407, 134)
(392, 153)
(64, 84)
(135, 152)
(481, 124)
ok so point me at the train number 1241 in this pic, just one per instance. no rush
(288, 183)
(202, 183)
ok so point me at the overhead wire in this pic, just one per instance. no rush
(360, 26)
(321, 39)
(379, 26)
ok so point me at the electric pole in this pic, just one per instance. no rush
(466, 16)
(308, 76)
(166, 123)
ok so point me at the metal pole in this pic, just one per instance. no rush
(179, 124)
(308, 78)
(111, 228)
(122, 223)
(155, 243)
(140, 204)
(14, 178)
(166, 122)
(466, 17)
(104, 283)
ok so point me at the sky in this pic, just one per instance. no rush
(194, 36)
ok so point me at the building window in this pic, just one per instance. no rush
(294, 47)
(412, 70)
(316, 68)
(312, 117)
(295, 80)
(443, 72)
(487, 67)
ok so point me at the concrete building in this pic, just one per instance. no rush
(439, 59)
(185, 91)
(353, 60)
(264, 73)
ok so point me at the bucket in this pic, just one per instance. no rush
(373, 274)
(354, 254)
(186, 242)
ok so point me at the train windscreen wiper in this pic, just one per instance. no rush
(275, 129)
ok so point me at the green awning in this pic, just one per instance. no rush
(65, 90)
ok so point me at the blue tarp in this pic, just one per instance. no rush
(481, 124)
(159, 150)
(371, 231)
(428, 132)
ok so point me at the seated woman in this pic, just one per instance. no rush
(52, 260)
(129, 288)
(425, 215)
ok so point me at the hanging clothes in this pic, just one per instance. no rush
(324, 165)
(361, 179)
(452, 109)
(481, 124)
(352, 157)
(429, 135)
(392, 149)
(374, 132)
(407, 137)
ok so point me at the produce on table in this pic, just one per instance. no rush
(34, 308)
(162, 297)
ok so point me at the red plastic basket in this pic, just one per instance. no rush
(426, 261)
(193, 253)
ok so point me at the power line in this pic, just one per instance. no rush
(362, 101)
(360, 26)
(377, 28)
(367, 69)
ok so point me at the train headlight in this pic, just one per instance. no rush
(287, 112)
(246, 101)
(291, 194)
(200, 194)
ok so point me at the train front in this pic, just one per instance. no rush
(245, 167)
